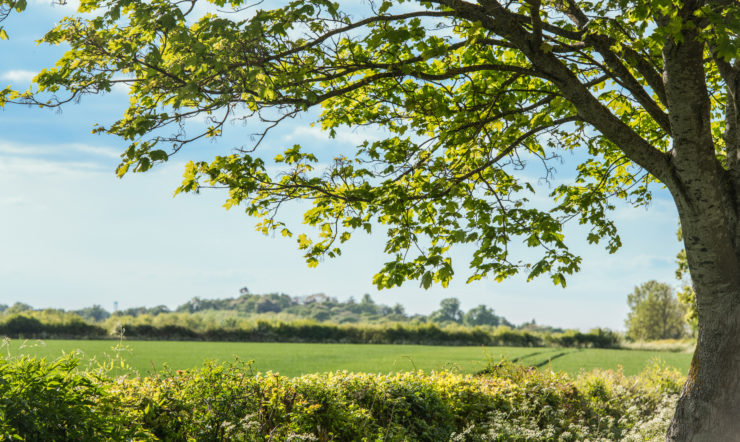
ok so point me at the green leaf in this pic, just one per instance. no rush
(426, 280)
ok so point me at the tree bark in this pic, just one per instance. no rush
(709, 406)
(707, 200)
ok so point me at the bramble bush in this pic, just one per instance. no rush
(44, 400)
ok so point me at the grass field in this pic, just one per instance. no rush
(296, 359)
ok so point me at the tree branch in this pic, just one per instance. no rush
(499, 20)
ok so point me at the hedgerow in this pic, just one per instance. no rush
(38, 325)
(54, 400)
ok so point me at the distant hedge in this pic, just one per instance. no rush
(42, 400)
(27, 327)
(21, 326)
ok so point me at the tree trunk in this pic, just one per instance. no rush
(709, 406)
(706, 195)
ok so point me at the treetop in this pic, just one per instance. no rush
(473, 99)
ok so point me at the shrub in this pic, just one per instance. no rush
(41, 400)
(20, 326)
(508, 402)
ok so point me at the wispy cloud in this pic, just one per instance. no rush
(96, 150)
(66, 149)
(63, 158)
(24, 166)
(18, 75)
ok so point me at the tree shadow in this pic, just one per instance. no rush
(550, 359)
(529, 355)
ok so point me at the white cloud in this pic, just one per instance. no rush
(352, 136)
(94, 150)
(18, 75)
(20, 149)
(22, 166)
(121, 89)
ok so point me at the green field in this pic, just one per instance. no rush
(296, 359)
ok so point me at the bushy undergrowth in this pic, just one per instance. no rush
(52, 401)
(47, 401)
(183, 326)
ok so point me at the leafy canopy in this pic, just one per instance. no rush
(655, 313)
(475, 101)
(6, 7)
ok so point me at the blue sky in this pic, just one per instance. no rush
(73, 235)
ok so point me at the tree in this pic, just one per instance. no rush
(6, 7)
(265, 305)
(467, 94)
(655, 313)
(481, 315)
(449, 311)
(95, 313)
(18, 307)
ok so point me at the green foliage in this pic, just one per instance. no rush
(320, 307)
(316, 318)
(94, 313)
(482, 315)
(41, 400)
(46, 324)
(200, 314)
(182, 327)
(686, 295)
(231, 402)
(6, 7)
(655, 313)
(18, 307)
(449, 311)
(225, 402)
(133, 311)
(463, 102)
(598, 405)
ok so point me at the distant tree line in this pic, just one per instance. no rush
(282, 318)
(321, 308)
(317, 307)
